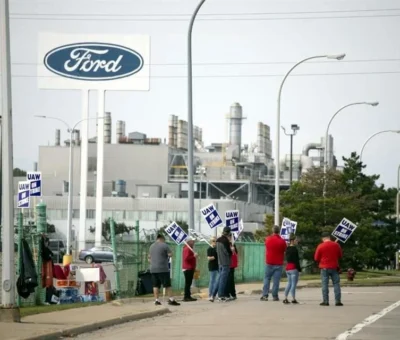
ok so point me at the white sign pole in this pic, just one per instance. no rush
(100, 167)
(84, 170)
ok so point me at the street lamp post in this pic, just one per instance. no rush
(190, 118)
(327, 131)
(70, 173)
(278, 123)
(294, 128)
(326, 144)
(398, 198)
(372, 136)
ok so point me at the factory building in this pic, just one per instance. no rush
(145, 178)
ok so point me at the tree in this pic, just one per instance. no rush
(349, 194)
(261, 234)
(120, 229)
(17, 172)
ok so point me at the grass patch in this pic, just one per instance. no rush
(33, 310)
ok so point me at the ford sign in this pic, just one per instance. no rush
(93, 61)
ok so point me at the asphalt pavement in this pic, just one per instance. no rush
(365, 315)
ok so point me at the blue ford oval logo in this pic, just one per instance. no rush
(93, 61)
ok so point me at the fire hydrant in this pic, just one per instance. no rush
(351, 273)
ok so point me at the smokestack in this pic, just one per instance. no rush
(35, 166)
(107, 128)
(77, 137)
(58, 137)
(120, 130)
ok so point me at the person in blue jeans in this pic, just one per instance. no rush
(292, 269)
(224, 254)
(275, 247)
(328, 254)
(213, 269)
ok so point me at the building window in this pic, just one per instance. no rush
(107, 214)
(119, 215)
(182, 216)
(132, 215)
(169, 216)
(91, 214)
(75, 213)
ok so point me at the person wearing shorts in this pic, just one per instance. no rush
(159, 254)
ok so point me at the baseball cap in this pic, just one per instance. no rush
(226, 230)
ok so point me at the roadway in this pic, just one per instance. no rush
(249, 318)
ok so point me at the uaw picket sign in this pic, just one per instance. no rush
(236, 234)
(211, 216)
(102, 62)
(176, 233)
(35, 180)
(232, 219)
(93, 62)
(344, 230)
(23, 194)
(288, 227)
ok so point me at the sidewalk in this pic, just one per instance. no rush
(77, 321)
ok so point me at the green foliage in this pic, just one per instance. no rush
(30, 228)
(120, 229)
(350, 194)
(17, 172)
(260, 235)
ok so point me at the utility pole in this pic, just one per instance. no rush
(9, 311)
(294, 128)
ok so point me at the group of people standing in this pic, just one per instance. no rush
(327, 255)
(222, 256)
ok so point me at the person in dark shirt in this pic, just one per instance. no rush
(213, 269)
(292, 269)
(230, 289)
(224, 253)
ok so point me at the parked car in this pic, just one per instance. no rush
(58, 249)
(103, 254)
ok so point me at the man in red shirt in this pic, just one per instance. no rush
(327, 255)
(275, 247)
(189, 259)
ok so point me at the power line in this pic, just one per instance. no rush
(32, 18)
(250, 62)
(243, 75)
(209, 14)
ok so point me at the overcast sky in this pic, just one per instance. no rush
(241, 49)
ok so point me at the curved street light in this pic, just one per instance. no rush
(329, 124)
(278, 126)
(70, 172)
(372, 136)
(190, 118)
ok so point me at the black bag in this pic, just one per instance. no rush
(28, 279)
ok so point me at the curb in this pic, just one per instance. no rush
(74, 331)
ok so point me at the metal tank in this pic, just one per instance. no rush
(182, 138)
(120, 131)
(260, 138)
(58, 137)
(107, 127)
(235, 127)
(120, 186)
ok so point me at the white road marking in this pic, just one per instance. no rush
(362, 292)
(371, 319)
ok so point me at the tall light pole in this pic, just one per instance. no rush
(327, 131)
(326, 144)
(190, 118)
(8, 270)
(372, 136)
(398, 198)
(294, 128)
(70, 173)
(278, 125)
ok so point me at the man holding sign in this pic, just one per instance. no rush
(328, 254)
(159, 254)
